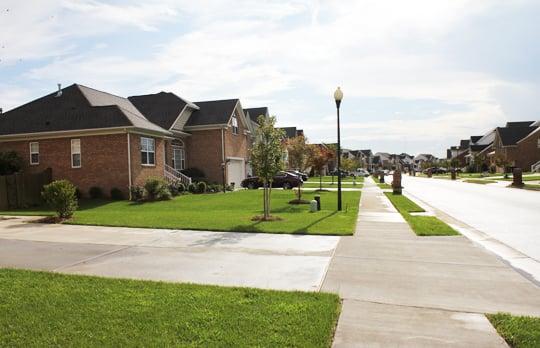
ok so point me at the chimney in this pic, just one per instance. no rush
(59, 93)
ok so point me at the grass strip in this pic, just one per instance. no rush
(518, 331)
(480, 181)
(421, 225)
(221, 212)
(41, 309)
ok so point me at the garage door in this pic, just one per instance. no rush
(236, 172)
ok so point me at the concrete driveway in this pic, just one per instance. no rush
(502, 219)
(270, 261)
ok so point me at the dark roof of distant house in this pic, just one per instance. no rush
(511, 135)
(290, 132)
(464, 143)
(519, 124)
(448, 153)
(475, 138)
(254, 113)
(161, 108)
(476, 147)
(78, 108)
(366, 152)
(212, 112)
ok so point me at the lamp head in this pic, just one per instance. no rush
(338, 94)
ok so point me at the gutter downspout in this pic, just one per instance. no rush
(129, 162)
(224, 164)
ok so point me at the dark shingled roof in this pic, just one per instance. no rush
(511, 135)
(475, 138)
(464, 144)
(212, 112)
(161, 108)
(366, 152)
(254, 113)
(290, 132)
(519, 124)
(78, 108)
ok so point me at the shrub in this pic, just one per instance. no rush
(177, 189)
(60, 196)
(10, 162)
(137, 193)
(194, 173)
(95, 192)
(229, 187)
(201, 187)
(181, 188)
(116, 194)
(157, 189)
(192, 187)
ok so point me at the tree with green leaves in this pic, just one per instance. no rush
(10, 162)
(298, 152)
(267, 156)
(332, 155)
(350, 165)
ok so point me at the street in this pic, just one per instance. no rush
(510, 216)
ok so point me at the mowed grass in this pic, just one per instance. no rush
(358, 185)
(480, 181)
(329, 178)
(42, 309)
(221, 212)
(518, 331)
(421, 225)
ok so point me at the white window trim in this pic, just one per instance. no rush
(33, 153)
(234, 119)
(147, 151)
(76, 153)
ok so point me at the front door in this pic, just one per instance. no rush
(179, 160)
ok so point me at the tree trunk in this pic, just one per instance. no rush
(265, 200)
(320, 181)
(269, 199)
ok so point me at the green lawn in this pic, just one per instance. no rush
(421, 225)
(385, 186)
(329, 178)
(525, 178)
(222, 212)
(480, 181)
(518, 331)
(42, 309)
(310, 184)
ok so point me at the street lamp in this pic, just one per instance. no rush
(338, 96)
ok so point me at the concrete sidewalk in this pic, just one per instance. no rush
(270, 261)
(408, 291)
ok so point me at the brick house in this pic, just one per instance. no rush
(517, 145)
(94, 138)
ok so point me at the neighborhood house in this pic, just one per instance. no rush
(94, 138)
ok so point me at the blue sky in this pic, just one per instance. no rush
(417, 75)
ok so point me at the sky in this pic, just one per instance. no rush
(417, 76)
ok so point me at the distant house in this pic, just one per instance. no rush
(422, 158)
(516, 145)
(291, 132)
(383, 160)
(94, 138)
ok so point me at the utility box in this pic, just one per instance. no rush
(318, 199)
(313, 206)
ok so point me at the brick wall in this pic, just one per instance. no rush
(203, 151)
(139, 172)
(528, 152)
(103, 160)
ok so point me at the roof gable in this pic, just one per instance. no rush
(161, 108)
(511, 135)
(212, 112)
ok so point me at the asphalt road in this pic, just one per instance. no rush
(510, 216)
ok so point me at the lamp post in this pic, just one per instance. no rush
(338, 96)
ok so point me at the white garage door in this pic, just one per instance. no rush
(236, 172)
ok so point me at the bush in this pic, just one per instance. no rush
(215, 188)
(194, 173)
(192, 187)
(95, 192)
(10, 162)
(116, 194)
(181, 188)
(177, 189)
(60, 196)
(157, 189)
(137, 193)
(201, 187)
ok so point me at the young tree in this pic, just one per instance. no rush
(298, 150)
(318, 159)
(10, 162)
(332, 155)
(267, 156)
(350, 165)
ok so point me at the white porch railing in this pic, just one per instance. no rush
(174, 176)
(535, 167)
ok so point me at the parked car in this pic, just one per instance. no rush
(282, 179)
(435, 170)
(303, 176)
(361, 172)
(343, 173)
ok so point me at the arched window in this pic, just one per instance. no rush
(179, 154)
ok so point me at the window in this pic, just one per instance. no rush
(148, 152)
(34, 153)
(75, 153)
(234, 123)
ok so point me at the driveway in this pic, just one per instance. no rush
(507, 219)
(270, 261)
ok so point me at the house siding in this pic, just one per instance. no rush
(103, 160)
(528, 151)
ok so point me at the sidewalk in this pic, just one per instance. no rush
(402, 290)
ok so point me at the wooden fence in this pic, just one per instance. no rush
(22, 190)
